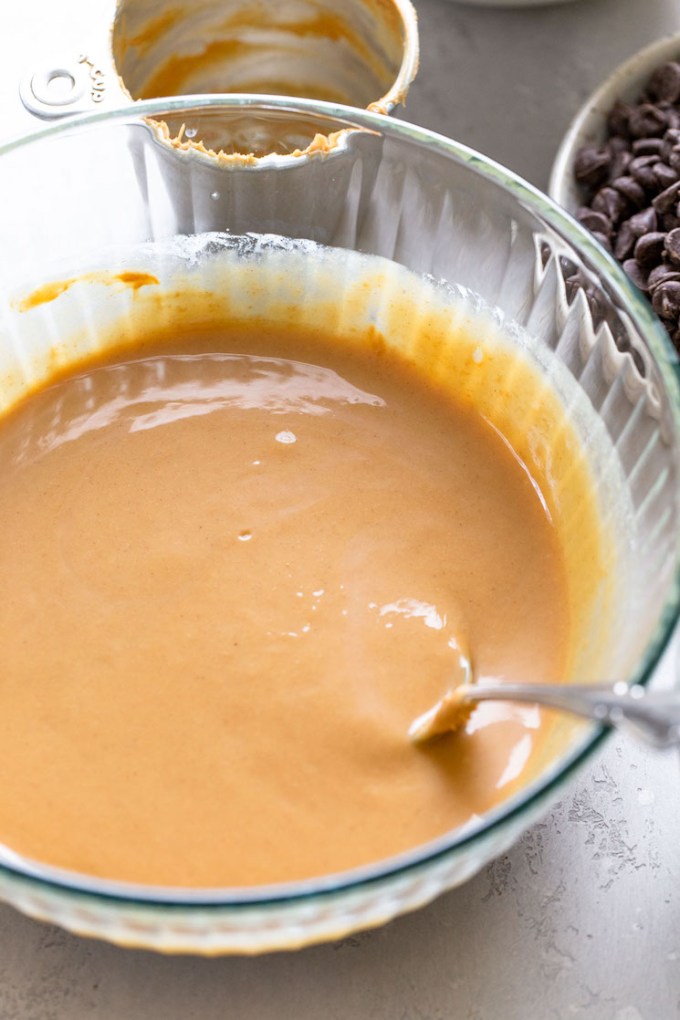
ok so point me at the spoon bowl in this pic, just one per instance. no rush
(653, 716)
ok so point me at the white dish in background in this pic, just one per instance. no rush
(509, 3)
(626, 82)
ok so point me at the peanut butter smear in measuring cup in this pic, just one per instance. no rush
(362, 53)
(239, 557)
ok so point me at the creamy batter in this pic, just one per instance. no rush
(238, 561)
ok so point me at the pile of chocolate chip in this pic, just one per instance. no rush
(632, 190)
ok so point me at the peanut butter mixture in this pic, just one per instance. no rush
(238, 560)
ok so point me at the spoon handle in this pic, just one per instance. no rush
(652, 715)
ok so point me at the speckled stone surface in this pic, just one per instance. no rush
(582, 918)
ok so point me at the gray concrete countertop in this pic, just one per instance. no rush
(582, 917)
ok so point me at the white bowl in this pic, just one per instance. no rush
(626, 82)
(509, 3)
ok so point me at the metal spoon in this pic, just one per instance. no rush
(654, 716)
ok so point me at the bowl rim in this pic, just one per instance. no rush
(13, 866)
(588, 122)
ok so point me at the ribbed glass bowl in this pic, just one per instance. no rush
(82, 195)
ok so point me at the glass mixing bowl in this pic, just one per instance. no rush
(88, 194)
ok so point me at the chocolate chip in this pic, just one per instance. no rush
(649, 249)
(617, 119)
(647, 146)
(610, 202)
(670, 220)
(640, 169)
(666, 299)
(636, 273)
(646, 178)
(617, 143)
(646, 120)
(621, 160)
(643, 222)
(595, 221)
(665, 82)
(664, 175)
(674, 158)
(666, 199)
(632, 190)
(643, 161)
(572, 285)
(669, 142)
(591, 166)
(673, 246)
(661, 274)
(624, 242)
